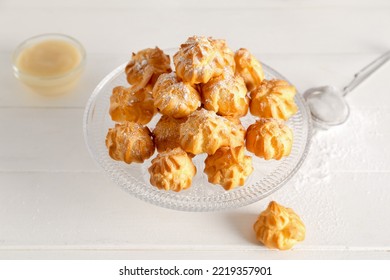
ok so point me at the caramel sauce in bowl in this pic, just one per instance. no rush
(50, 64)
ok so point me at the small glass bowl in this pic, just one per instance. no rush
(49, 85)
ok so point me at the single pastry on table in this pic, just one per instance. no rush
(146, 66)
(269, 139)
(205, 132)
(249, 68)
(226, 95)
(279, 228)
(273, 99)
(133, 106)
(167, 133)
(228, 167)
(195, 62)
(174, 97)
(130, 142)
(172, 170)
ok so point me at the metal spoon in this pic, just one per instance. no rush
(327, 104)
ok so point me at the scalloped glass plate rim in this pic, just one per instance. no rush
(226, 200)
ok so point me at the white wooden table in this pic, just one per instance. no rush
(56, 203)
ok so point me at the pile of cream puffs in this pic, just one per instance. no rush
(199, 105)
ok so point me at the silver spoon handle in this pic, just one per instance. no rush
(367, 71)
